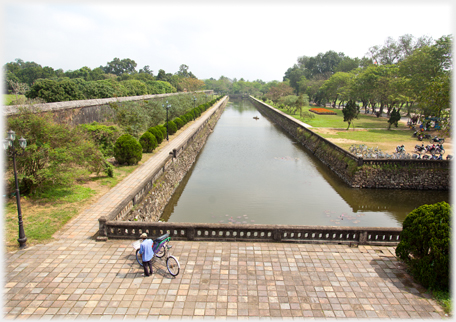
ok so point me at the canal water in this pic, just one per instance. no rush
(252, 172)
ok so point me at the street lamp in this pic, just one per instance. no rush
(167, 125)
(194, 102)
(11, 151)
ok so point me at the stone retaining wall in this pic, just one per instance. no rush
(87, 111)
(164, 187)
(363, 173)
(149, 199)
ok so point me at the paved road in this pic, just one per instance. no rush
(78, 277)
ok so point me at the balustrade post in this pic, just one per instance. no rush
(190, 233)
(102, 229)
(277, 235)
(363, 238)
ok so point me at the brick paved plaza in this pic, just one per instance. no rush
(78, 277)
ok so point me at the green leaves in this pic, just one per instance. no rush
(425, 244)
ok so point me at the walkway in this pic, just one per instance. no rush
(77, 277)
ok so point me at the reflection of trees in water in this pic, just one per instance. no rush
(241, 105)
(390, 199)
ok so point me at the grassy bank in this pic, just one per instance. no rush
(8, 98)
(365, 121)
(47, 212)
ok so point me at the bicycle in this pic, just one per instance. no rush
(161, 248)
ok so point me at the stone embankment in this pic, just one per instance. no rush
(158, 197)
(358, 172)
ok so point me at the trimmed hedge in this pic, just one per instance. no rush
(127, 150)
(425, 245)
(148, 142)
(157, 133)
(179, 123)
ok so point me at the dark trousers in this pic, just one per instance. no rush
(147, 265)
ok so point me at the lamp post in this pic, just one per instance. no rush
(8, 145)
(167, 125)
(194, 102)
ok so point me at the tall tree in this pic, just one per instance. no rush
(350, 111)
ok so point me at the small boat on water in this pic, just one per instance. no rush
(256, 117)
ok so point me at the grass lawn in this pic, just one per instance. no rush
(337, 121)
(8, 98)
(47, 212)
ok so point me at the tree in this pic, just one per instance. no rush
(56, 154)
(279, 90)
(294, 75)
(394, 118)
(119, 67)
(350, 111)
(146, 70)
(332, 87)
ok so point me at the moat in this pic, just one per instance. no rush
(250, 171)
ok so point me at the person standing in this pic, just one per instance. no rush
(147, 253)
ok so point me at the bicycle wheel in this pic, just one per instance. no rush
(173, 265)
(139, 257)
(161, 252)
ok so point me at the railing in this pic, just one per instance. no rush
(253, 233)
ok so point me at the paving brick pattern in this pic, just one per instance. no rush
(78, 278)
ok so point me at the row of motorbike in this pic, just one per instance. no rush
(436, 152)
(423, 136)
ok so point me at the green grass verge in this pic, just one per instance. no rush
(337, 121)
(46, 212)
(444, 299)
(8, 98)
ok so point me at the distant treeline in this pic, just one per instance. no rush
(408, 72)
(117, 79)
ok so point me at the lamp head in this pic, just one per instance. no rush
(11, 135)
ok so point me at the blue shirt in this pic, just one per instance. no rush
(146, 250)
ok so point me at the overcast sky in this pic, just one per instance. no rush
(248, 39)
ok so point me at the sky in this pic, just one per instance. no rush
(236, 39)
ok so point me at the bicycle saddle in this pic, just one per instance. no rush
(161, 238)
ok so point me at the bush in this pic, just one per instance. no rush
(127, 150)
(148, 142)
(172, 128)
(157, 133)
(179, 123)
(162, 128)
(55, 155)
(425, 245)
(54, 91)
(105, 136)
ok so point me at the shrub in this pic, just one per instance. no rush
(55, 155)
(425, 244)
(162, 128)
(127, 150)
(148, 142)
(179, 123)
(184, 119)
(54, 91)
(172, 128)
(157, 133)
(103, 135)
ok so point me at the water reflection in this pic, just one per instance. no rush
(250, 171)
